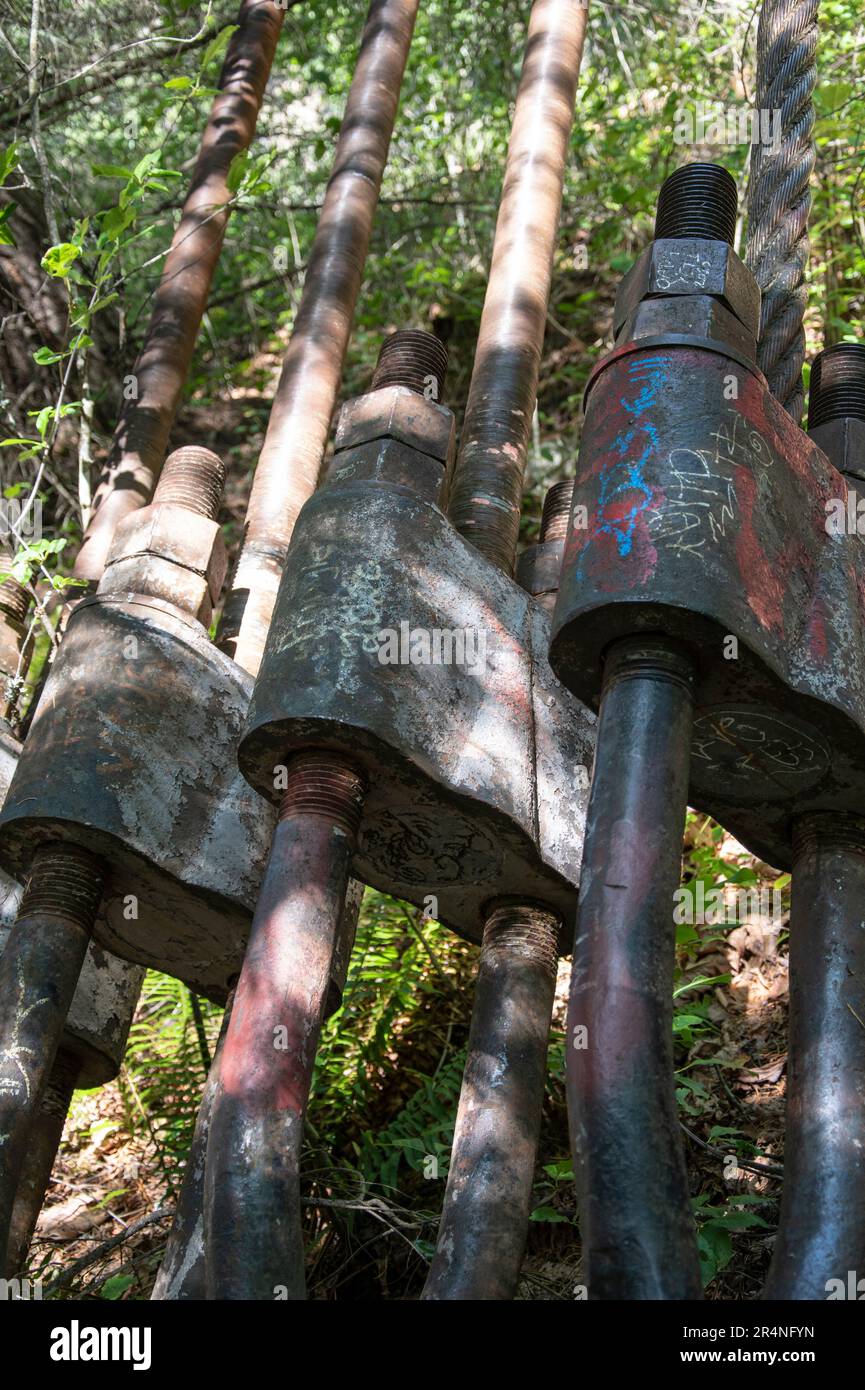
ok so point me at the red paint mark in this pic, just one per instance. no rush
(763, 581)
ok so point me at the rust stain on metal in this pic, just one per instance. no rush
(252, 1196)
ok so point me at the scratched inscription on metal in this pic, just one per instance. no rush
(681, 268)
(755, 752)
(14, 1076)
(340, 603)
(420, 847)
(700, 504)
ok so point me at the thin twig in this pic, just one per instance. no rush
(772, 1170)
(104, 1248)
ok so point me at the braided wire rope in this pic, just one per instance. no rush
(779, 197)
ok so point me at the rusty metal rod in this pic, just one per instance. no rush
(42, 1145)
(487, 489)
(181, 1275)
(637, 1229)
(485, 1215)
(253, 1231)
(487, 1202)
(39, 970)
(297, 431)
(132, 470)
(821, 1232)
(42, 960)
(141, 438)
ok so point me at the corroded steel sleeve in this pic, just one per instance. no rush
(39, 970)
(487, 1203)
(638, 1233)
(141, 437)
(181, 1275)
(42, 1145)
(821, 1232)
(488, 482)
(253, 1231)
(294, 445)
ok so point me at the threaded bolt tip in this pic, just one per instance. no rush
(837, 384)
(557, 510)
(413, 358)
(698, 200)
(15, 599)
(194, 478)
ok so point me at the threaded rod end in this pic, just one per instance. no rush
(65, 881)
(324, 784)
(837, 384)
(193, 478)
(525, 929)
(15, 599)
(412, 358)
(828, 830)
(557, 511)
(698, 200)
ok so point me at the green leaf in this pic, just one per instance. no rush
(8, 160)
(178, 84)
(6, 237)
(563, 1171)
(58, 260)
(101, 303)
(45, 356)
(111, 171)
(716, 1250)
(217, 46)
(699, 982)
(681, 1021)
(116, 220)
(741, 1220)
(236, 170)
(66, 581)
(548, 1214)
(101, 1129)
(115, 1191)
(117, 1285)
(145, 164)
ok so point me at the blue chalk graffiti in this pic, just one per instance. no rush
(650, 375)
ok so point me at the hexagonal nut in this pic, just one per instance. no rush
(389, 461)
(155, 577)
(395, 412)
(691, 316)
(690, 266)
(170, 533)
(843, 443)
